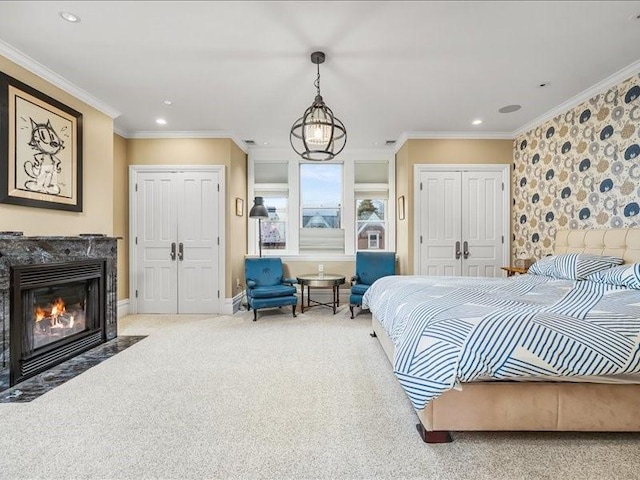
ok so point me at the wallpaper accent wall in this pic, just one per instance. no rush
(579, 170)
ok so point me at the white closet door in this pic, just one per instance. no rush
(198, 238)
(177, 211)
(440, 223)
(482, 212)
(156, 218)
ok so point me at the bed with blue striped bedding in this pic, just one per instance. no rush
(448, 330)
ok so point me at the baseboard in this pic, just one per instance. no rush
(232, 305)
(123, 308)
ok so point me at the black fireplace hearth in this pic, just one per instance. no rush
(57, 300)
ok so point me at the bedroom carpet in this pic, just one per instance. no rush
(281, 398)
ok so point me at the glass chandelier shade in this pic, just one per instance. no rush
(318, 135)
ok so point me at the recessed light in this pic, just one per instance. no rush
(70, 17)
(476, 122)
(265, 143)
(510, 108)
(161, 121)
(168, 102)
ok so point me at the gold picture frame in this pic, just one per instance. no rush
(401, 207)
(239, 207)
(40, 149)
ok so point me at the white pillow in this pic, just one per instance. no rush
(623, 275)
(573, 266)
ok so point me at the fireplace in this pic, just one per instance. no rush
(58, 298)
(57, 312)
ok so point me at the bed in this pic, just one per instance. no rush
(528, 403)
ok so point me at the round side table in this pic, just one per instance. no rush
(318, 280)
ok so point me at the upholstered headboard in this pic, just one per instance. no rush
(619, 242)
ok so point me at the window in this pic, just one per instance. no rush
(274, 230)
(272, 183)
(372, 198)
(321, 208)
(373, 240)
(371, 224)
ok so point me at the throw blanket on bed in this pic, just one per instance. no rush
(453, 329)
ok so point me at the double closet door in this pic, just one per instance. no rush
(461, 222)
(177, 241)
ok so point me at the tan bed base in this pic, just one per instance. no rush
(541, 406)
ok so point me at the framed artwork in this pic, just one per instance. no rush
(401, 207)
(40, 149)
(239, 207)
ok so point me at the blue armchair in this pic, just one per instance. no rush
(370, 266)
(266, 287)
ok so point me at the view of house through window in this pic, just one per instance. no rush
(321, 208)
(274, 230)
(371, 224)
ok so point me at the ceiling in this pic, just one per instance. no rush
(243, 68)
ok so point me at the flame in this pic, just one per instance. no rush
(58, 308)
(40, 314)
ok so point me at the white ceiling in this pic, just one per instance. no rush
(392, 67)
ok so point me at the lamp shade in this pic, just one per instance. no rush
(258, 210)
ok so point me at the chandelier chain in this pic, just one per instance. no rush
(317, 82)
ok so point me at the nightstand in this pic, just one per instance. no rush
(511, 271)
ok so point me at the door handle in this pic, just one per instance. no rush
(180, 251)
(458, 252)
(465, 246)
(173, 251)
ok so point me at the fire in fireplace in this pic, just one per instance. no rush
(58, 309)
(58, 312)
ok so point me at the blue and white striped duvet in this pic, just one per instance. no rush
(452, 329)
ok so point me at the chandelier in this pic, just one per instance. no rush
(318, 135)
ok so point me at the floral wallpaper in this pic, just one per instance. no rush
(579, 170)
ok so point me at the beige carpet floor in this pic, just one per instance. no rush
(281, 398)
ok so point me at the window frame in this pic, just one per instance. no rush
(348, 159)
(385, 221)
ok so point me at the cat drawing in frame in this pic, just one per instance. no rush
(44, 169)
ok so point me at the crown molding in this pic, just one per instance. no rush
(607, 83)
(19, 58)
(119, 131)
(405, 136)
(195, 134)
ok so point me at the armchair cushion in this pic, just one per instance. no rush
(359, 289)
(272, 291)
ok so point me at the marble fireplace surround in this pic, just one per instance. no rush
(16, 249)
